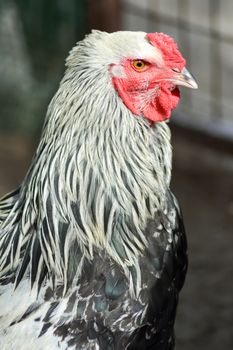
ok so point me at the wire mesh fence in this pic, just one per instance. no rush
(203, 30)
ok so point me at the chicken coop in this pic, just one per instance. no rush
(35, 37)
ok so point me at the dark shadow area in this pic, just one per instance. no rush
(203, 183)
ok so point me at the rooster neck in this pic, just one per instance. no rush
(110, 148)
(99, 174)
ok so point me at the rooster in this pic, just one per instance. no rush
(92, 244)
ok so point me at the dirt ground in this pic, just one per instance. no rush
(203, 183)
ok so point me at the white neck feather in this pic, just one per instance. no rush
(98, 175)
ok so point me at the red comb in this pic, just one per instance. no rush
(169, 49)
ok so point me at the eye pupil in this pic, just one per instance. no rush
(139, 64)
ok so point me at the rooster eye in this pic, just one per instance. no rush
(139, 65)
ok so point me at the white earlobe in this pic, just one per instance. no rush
(117, 71)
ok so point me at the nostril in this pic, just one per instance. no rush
(176, 70)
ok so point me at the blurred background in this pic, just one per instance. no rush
(35, 37)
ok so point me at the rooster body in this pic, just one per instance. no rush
(92, 245)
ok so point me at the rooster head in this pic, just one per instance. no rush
(148, 72)
(144, 70)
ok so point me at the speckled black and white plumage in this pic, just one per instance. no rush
(92, 245)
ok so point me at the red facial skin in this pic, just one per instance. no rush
(150, 91)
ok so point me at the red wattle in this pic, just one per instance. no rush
(160, 108)
(157, 110)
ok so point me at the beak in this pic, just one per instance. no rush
(185, 78)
